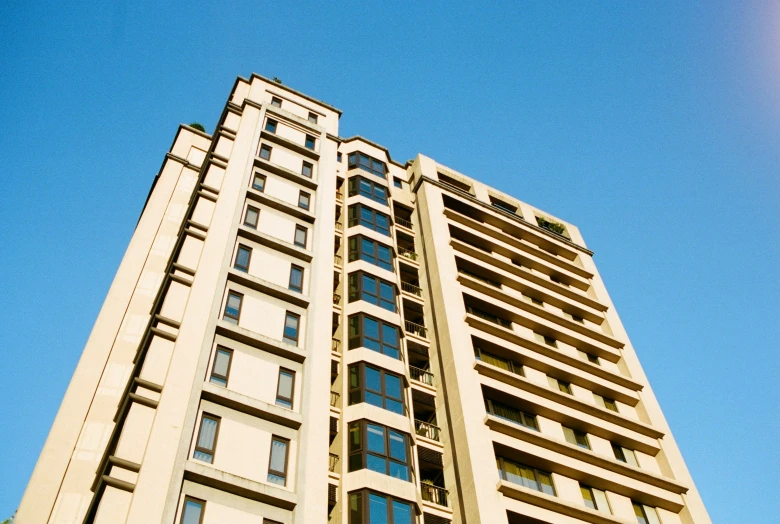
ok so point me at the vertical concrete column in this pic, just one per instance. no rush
(467, 437)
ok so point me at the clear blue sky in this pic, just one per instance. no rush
(655, 127)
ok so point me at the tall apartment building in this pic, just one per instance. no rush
(304, 330)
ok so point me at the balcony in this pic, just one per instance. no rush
(403, 222)
(421, 375)
(334, 399)
(339, 195)
(415, 329)
(407, 253)
(426, 429)
(434, 494)
(338, 260)
(336, 299)
(333, 459)
(335, 345)
(339, 226)
(411, 289)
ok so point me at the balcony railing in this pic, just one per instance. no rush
(434, 494)
(336, 299)
(427, 430)
(337, 259)
(334, 398)
(421, 375)
(415, 329)
(335, 345)
(403, 222)
(339, 195)
(339, 226)
(411, 288)
(407, 253)
(333, 459)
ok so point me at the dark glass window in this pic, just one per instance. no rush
(367, 507)
(397, 182)
(258, 182)
(373, 290)
(499, 362)
(251, 217)
(367, 217)
(307, 168)
(300, 236)
(624, 455)
(361, 186)
(233, 307)
(606, 402)
(291, 324)
(368, 332)
(560, 385)
(276, 101)
(296, 278)
(303, 200)
(312, 118)
(270, 125)
(207, 438)
(379, 448)
(645, 514)
(594, 498)
(221, 368)
(523, 475)
(285, 388)
(192, 511)
(277, 464)
(243, 255)
(367, 163)
(361, 248)
(338, 157)
(484, 315)
(511, 414)
(310, 142)
(265, 152)
(376, 387)
(578, 438)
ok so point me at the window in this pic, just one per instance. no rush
(291, 323)
(192, 511)
(270, 125)
(503, 206)
(511, 414)
(575, 318)
(361, 248)
(296, 278)
(251, 217)
(529, 477)
(368, 189)
(606, 402)
(493, 360)
(457, 184)
(560, 385)
(284, 388)
(312, 117)
(373, 290)
(593, 359)
(265, 152)
(624, 455)
(277, 463)
(578, 438)
(258, 182)
(233, 307)
(276, 101)
(557, 280)
(221, 368)
(300, 236)
(367, 507)
(367, 217)
(645, 514)
(207, 438)
(307, 168)
(376, 387)
(595, 499)
(484, 315)
(368, 332)
(242, 258)
(378, 448)
(366, 163)
(397, 182)
(338, 157)
(544, 339)
(310, 142)
(303, 200)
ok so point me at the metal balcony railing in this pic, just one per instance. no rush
(334, 398)
(403, 222)
(336, 299)
(337, 259)
(434, 494)
(427, 430)
(339, 226)
(336, 344)
(415, 329)
(333, 459)
(421, 375)
(407, 253)
(411, 288)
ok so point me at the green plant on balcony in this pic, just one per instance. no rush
(551, 225)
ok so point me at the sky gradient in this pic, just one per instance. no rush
(652, 126)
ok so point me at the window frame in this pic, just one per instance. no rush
(373, 225)
(364, 506)
(537, 473)
(312, 118)
(503, 205)
(304, 166)
(248, 258)
(397, 182)
(291, 398)
(231, 317)
(619, 451)
(643, 510)
(305, 230)
(276, 473)
(214, 374)
(246, 222)
(276, 102)
(357, 291)
(580, 438)
(271, 125)
(358, 340)
(263, 148)
(584, 488)
(490, 407)
(356, 252)
(302, 193)
(356, 394)
(290, 286)
(310, 142)
(261, 176)
(297, 317)
(363, 450)
(606, 402)
(354, 161)
(198, 501)
(213, 450)
(354, 188)
(559, 385)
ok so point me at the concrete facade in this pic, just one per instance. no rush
(304, 330)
